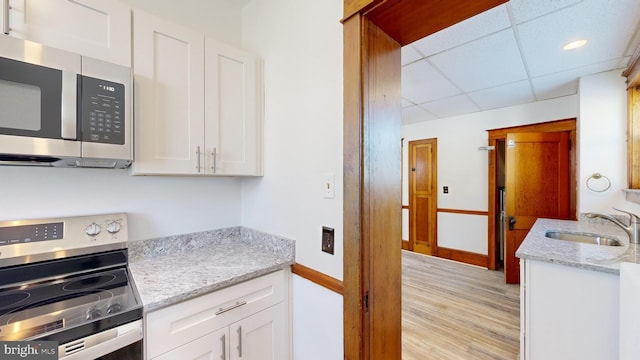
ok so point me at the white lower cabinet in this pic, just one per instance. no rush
(567, 312)
(245, 321)
(210, 346)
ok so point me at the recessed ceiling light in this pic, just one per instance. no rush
(575, 44)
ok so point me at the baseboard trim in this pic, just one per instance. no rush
(319, 278)
(463, 256)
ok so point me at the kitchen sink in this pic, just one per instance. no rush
(586, 238)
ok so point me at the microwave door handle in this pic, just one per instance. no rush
(5, 17)
(69, 105)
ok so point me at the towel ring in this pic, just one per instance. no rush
(598, 176)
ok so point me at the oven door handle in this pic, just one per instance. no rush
(102, 343)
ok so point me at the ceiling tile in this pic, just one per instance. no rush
(414, 114)
(481, 25)
(491, 61)
(422, 83)
(566, 82)
(409, 55)
(524, 10)
(608, 26)
(406, 103)
(451, 106)
(504, 95)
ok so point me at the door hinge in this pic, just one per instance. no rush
(366, 302)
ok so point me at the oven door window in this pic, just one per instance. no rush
(30, 100)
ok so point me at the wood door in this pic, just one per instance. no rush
(537, 179)
(423, 196)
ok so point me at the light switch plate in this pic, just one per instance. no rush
(328, 183)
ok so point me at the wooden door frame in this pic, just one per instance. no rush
(432, 221)
(372, 107)
(501, 134)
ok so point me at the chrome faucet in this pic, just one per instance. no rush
(633, 229)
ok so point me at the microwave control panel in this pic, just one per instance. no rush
(101, 111)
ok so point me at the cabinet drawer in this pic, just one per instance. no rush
(181, 323)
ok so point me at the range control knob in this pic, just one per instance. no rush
(92, 229)
(114, 308)
(113, 227)
(93, 314)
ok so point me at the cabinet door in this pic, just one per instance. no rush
(262, 336)
(233, 114)
(95, 28)
(168, 67)
(213, 346)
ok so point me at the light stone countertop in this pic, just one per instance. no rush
(587, 256)
(166, 277)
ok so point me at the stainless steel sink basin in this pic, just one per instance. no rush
(586, 238)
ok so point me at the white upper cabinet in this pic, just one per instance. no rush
(168, 67)
(232, 102)
(95, 28)
(198, 103)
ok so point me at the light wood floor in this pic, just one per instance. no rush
(451, 310)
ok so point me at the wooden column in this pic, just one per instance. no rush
(372, 192)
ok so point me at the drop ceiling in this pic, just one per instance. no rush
(512, 54)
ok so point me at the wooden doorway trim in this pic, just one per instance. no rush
(372, 206)
(496, 135)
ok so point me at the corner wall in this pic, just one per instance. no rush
(300, 42)
(602, 141)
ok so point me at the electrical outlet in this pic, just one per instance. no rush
(327, 239)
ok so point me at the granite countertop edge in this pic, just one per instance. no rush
(169, 300)
(173, 269)
(536, 246)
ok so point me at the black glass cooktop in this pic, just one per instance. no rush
(68, 307)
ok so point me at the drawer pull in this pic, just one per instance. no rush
(240, 342)
(224, 347)
(236, 305)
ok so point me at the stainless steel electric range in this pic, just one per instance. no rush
(67, 280)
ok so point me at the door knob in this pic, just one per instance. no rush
(512, 221)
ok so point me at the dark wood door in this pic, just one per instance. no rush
(537, 186)
(423, 196)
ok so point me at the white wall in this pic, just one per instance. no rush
(602, 141)
(316, 338)
(220, 19)
(158, 206)
(300, 42)
(464, 168)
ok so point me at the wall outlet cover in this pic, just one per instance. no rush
(328, 239)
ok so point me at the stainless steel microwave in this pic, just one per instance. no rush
(61, 109)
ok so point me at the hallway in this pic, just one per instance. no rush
(452, 310)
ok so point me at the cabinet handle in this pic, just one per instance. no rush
(240, 341)
(213, 154)
(236, 305)
(69, 108)
(198, 158)
(5, 17)
(224, 348)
